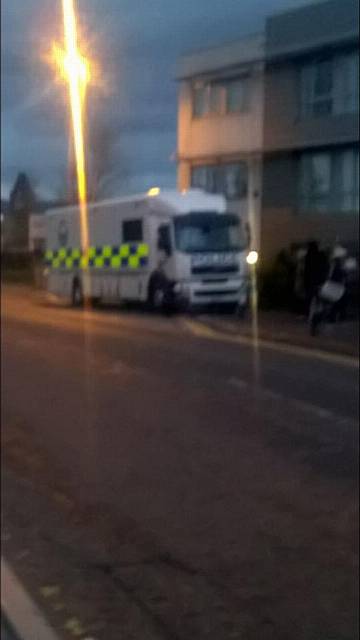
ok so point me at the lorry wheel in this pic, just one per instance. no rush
(76, 294)
(157, 294)
(157, 298)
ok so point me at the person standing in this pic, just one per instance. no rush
(315, 271)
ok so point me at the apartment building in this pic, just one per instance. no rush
(220, 124)
(311, 126)
(272, 122)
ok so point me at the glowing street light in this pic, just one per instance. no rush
(75, 70)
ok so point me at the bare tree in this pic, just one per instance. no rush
(22, 204)
(67, 191)
(106, 167)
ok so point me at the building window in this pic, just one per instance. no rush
(330, 86)
(346, 82)
(329, 181)
(317, 88)
(215, 93)
(207, 99)
(236, 96)
(230, 96)
(347, 171)
(315, 181)
(357, 168)
(199, 101)
(230, 180)
(132, 231)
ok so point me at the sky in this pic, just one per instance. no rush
(136, 44)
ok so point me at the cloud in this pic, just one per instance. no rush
(5, 190)
(137, 43)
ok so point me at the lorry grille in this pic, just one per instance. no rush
(215, 269)
(216, 292)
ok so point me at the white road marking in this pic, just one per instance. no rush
(299, 405)
(200, 330)
(320, 412)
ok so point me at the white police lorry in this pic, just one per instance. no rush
(161, 247)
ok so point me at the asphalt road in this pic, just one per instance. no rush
(240, 463)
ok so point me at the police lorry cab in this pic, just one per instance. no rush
(162, 247)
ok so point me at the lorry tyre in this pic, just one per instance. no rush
(76, 294)
(157, 297)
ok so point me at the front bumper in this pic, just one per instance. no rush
(219, 291)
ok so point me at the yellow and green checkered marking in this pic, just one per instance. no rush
(125, 256)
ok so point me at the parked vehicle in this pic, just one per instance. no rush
(164, 247)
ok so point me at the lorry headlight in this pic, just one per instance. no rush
(252, 257)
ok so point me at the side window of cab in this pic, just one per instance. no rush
(164, 239)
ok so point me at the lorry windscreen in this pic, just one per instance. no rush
(208, 231)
